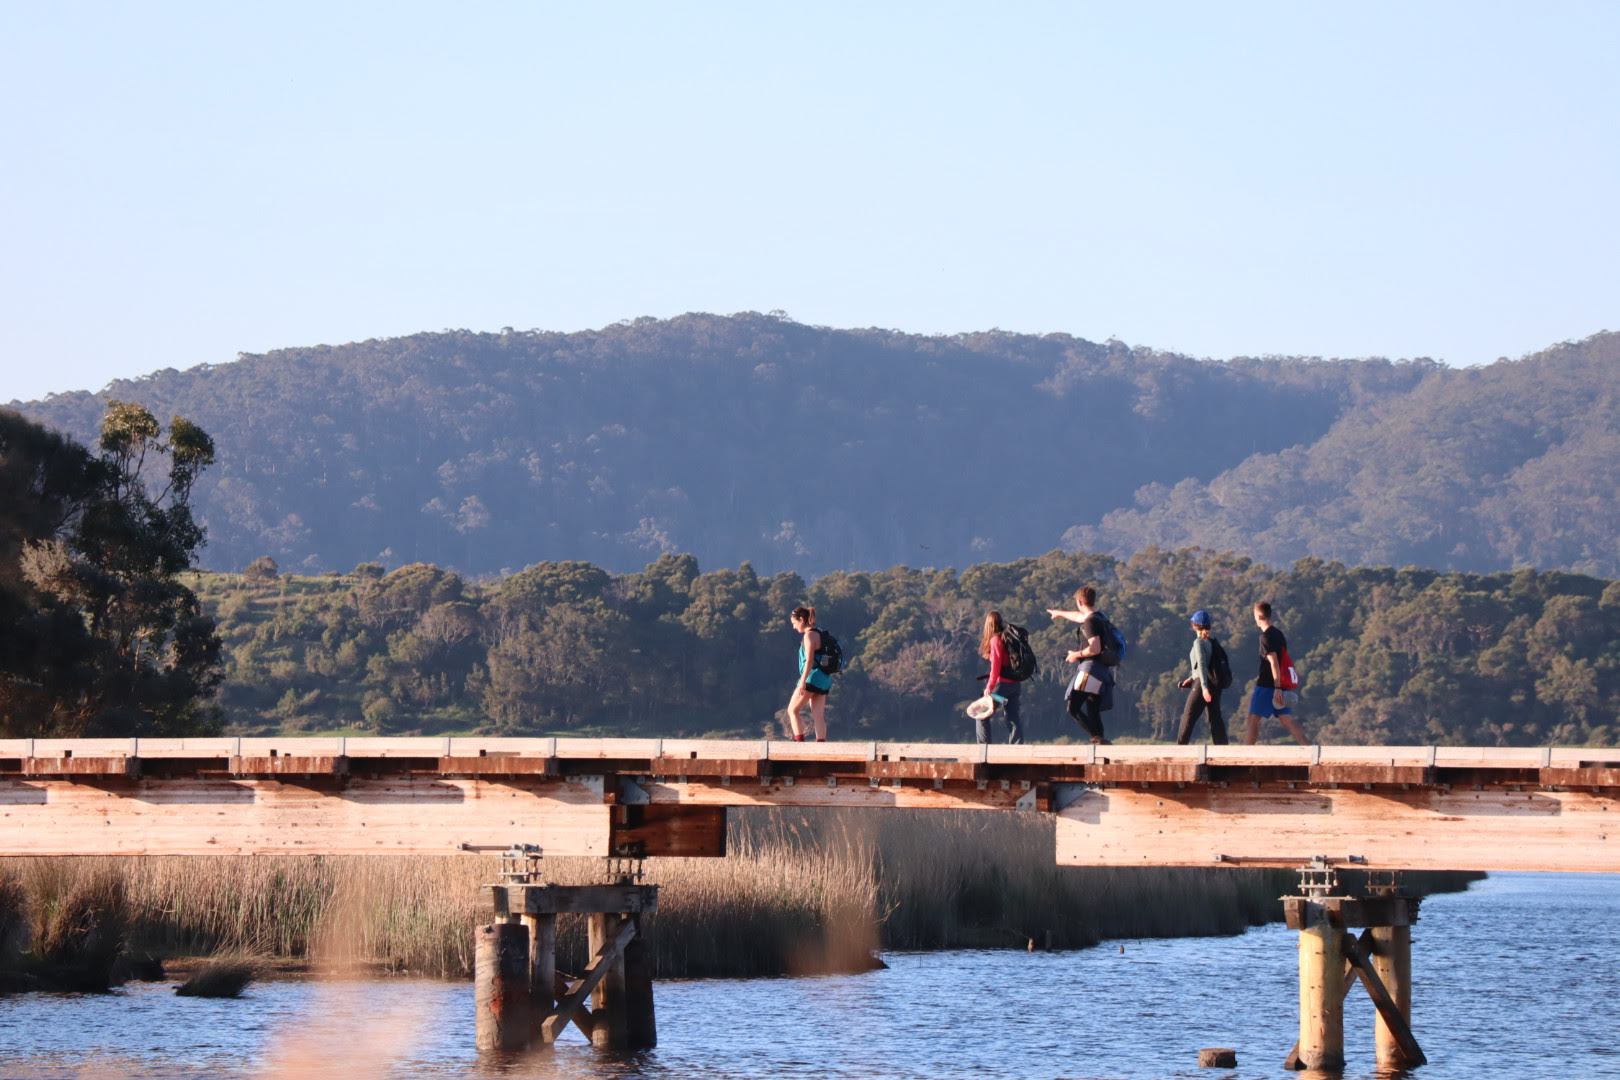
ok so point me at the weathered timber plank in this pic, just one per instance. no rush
(914, 751)
(324, 765)
(609, 749)
(495, 767)
(1602, 777)
(925, 770)
(681, 766)
(1350, 912)
(572, 899)
(1361, 773)
(240, 817)
(1417, 829)
(88, 767)
(1145, 772)
(787, 750)
(914, 794)
(723, 749)
(671, 830)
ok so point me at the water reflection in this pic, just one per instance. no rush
(1514, 978)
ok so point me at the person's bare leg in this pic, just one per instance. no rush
(795, 703)
(1251, 734)
(1292, 727)
(818, 715)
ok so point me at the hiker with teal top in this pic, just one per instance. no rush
(813, 684)
(1211, 673)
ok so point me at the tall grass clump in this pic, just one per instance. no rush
(13, 903)
(75, 918)
(222, 977)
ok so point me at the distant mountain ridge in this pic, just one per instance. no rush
(752, 437)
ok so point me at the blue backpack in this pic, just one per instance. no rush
(1115, 647)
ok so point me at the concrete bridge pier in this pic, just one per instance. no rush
(524, 1001)
(1332, 960)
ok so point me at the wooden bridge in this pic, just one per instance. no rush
(1315, 808)
(1450, 808)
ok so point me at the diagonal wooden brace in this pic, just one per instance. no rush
(582, 1016)
(600, 964)
(1383, 1002)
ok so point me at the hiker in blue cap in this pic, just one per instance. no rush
(1211, 673)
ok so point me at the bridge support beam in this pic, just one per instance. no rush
(1321, 995)
(1391, 958)
(1332, 960)
(505, 1017)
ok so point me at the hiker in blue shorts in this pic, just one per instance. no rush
(1275, 688)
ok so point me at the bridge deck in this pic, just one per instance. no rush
(1414, 807)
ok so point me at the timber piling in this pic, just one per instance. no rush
(1332, 960)
(524, 1001)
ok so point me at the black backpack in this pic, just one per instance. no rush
(830, 657)
(1219, 666)
(1021, 660)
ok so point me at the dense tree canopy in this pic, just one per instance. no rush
(745, 438)
(1389, 656)
(98, 634)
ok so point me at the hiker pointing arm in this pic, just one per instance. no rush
(1093, 645)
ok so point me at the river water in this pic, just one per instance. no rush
(1517, 977)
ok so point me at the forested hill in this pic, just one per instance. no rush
(1486, 468)
(796, 447)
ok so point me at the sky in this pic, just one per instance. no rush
(181, 183)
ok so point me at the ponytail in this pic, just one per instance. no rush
(806, 615)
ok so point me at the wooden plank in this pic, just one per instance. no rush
(1350, 912)
(854, 793)
(609, 749)
(787, 750)
(913, 751)
(496, 767)
(1417, 830)
(1258, 755)
(324, 765)
(727, 749)
(925, 770)
(87, 767)
(1145, 772)
(54, 748)
(1598, 777)
(521, 899)
(601, 963)
(1487, 757)
(671, 830)
(1060, 754)
(246, 817)
(1363, 773)
(749, 768)
(1388, 1011)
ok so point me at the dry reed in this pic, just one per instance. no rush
(798, 892)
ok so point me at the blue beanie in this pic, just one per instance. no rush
(1201, 618)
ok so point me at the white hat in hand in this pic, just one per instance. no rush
(982, 708)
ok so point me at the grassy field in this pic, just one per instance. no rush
(799, 892)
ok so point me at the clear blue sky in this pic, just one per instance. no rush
(181, 182)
